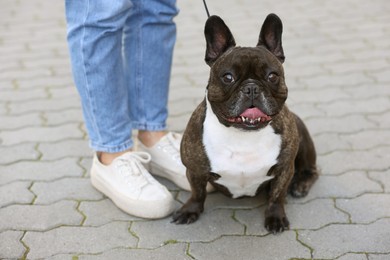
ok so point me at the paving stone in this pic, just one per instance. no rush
(368, 92)
(79, 240)
(10, 246)
(61, 117)
(102, 212)
(378, 256)
(69, 148)
(67, 188)
(380, 76)
(44, 105)
(40, 170)
(353, 66)
(305, 111)
(198, 80)
(61, 70)
(366, 208)
(210, 225)
(312, 215)
(39, 217)
(84, 130)
(344, 80)
(11, 64)
(23, 73)
(253, 219)
(315, 96)
(345, 124)
(86, 163)
(62, 257)
(217, 200)
(344, 239)
(19, 152)
(178, 123)
(15, 193)
(292, 70)
(348, 185)
(51, 46)
(15, 122)
(342, 108)
(283, 246)
(184, 106)
(3, 107)
(41, 134)
(44, 82)
(368, 139)
(185, 92)
(369, 54)
(353, 257)
(383, 177)
(20, 95)
(170, 251)
(68, 91)
(24, 55)
(376, 159)
(381, 120)
(320, 58)
(330, 142)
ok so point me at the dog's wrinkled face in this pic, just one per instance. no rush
(246, 87)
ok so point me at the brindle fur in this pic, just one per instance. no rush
(295, 170)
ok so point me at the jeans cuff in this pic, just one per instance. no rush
(112, 148)
(149, 126)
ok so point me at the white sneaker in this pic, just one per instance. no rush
(128, 184)
(166, 161)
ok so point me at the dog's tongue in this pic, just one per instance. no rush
(253, 113)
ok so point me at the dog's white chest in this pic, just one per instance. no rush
(241, 158)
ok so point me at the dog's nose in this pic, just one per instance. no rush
(251, 90)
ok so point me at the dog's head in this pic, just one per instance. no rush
(246, 87)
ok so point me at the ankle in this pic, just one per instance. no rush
(150, 138)
(107, 158)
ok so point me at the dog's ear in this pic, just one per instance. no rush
(218, 38)
(271, 36)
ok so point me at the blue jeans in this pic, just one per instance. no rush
(121, 54)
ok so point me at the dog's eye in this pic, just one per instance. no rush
(228, 78)
(273, 78)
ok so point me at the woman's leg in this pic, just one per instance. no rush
(95, 39)
(95, 32)
(149, 39)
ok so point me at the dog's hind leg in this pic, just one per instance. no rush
(305, 163)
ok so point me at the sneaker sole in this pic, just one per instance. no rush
(142, 209)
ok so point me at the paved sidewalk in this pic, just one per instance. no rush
(338, 74)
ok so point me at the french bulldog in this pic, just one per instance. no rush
(242, 136)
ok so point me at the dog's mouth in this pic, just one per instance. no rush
(251, 117)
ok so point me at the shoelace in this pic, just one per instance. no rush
(130, 166)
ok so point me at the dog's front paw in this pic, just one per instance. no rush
(188, 214)
(299, 189)
(184, 217)
(276, 224)
(302, 182)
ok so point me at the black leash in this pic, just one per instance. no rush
(205, 7)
